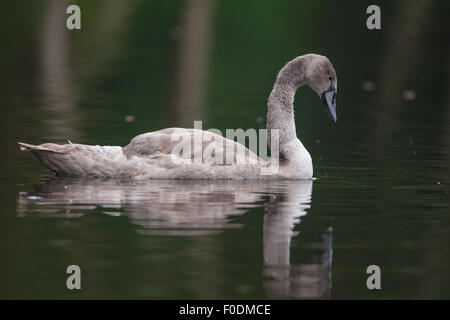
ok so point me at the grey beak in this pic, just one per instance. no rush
(329, 98)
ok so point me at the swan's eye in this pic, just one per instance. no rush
(330, 78)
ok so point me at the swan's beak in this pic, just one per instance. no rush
(329, 98)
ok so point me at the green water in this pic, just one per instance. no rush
(381, 193)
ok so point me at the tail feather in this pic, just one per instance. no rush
(79, 159)
(32, 147)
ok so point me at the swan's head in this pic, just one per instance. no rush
(320, 76)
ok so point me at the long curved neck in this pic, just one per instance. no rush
(280, 106)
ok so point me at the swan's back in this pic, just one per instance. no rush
(190, 144)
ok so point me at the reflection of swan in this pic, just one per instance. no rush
(196, 154)
(309, 280)
(188, 208)
(160, 206)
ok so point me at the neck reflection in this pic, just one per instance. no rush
(312, 277)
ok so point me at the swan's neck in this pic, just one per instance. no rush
(280, 113)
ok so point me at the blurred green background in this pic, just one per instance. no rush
(139, 66)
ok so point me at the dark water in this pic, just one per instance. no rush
(382, 190)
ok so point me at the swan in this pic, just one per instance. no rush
(151, 155)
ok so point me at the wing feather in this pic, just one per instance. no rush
(189, 144)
